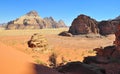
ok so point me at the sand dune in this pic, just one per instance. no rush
(16, 62)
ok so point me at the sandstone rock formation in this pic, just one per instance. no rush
(83, 25)
(38, 42)
(29, 21)
(107, 57)
(108, 27)
(117, 39)
(32, 21)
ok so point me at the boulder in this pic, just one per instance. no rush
(83, 25)
(108, 27)
(38, 42)
(65, 33)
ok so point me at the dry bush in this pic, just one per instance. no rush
(53, 60)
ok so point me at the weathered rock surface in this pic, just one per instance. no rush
(33, 21)
(38, 42)
(117, 35)
(107, 57)
(108, 27)
(83, 25)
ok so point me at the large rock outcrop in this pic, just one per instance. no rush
(108, 27)
(83, 25)
(107, 57)
(32, 20)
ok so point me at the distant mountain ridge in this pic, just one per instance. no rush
(32, 20)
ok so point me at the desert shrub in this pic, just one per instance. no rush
(37, 61)
(64, 61)
(53, 60)
(91, 51)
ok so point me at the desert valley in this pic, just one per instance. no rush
(34, 45)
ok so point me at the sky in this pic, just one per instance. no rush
(67, 10)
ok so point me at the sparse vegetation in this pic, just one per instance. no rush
(91, 51)
(37, 61)
(66, 49)
(53, 60)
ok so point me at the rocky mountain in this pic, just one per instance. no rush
(32, 20)
(61, 23)
(54, 24)
(84, 25)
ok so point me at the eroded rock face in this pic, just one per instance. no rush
(107, 57)
(117, 35)
(29, 21)
(108, 27)
(38, 42)
(83, 25)
(32, 20)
